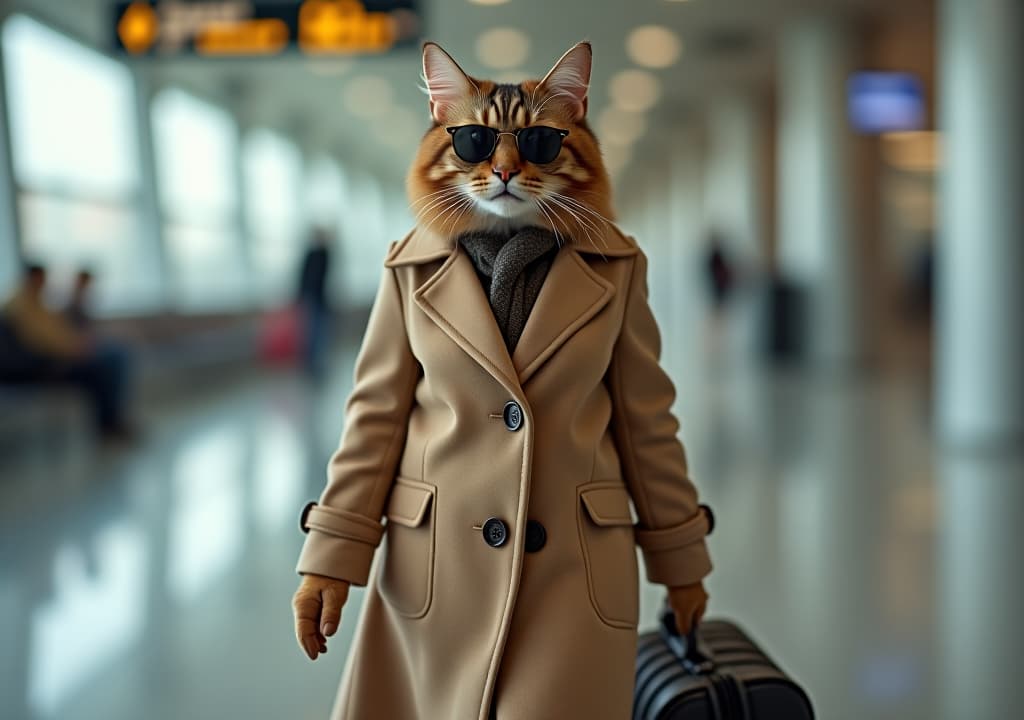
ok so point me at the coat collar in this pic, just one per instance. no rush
(423, 245)
(572, 294)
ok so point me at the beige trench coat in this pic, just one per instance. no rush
(449, 619)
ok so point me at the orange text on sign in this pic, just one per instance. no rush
(343, 26)
(249, 37)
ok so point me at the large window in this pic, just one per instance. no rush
(75, 157)
(364, 236)
(325, 208)
(196, 147)
(272, 167)
(324, 192)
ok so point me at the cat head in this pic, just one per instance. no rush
(503, 172)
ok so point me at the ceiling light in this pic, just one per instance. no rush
(636, 90)
(916, 151)
(368, 96)
(503, 48)
(654, 46)
(488, 2)
(620, 127)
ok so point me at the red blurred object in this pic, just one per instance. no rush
(281, 336)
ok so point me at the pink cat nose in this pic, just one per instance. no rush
(505, 174)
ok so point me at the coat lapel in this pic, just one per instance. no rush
(572, 294)
(454, 299)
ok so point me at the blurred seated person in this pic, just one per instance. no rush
(43, 347)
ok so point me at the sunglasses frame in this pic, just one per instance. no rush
(497, 139)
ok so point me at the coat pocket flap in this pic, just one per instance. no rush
(607, 506)
(409, 502)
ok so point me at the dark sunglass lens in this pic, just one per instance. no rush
(540, 144)
(473, 143)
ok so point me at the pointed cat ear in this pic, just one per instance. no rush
(446, 82)
(569, 80)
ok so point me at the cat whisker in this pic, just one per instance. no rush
(585, 207)
(441, 209)
(466, 207)
(450, 211)
(445, 188)
(568, 230)
(540, 206)
(570, 204)
(448, 189)
(435, 204)
(440, 201)
(583, 223)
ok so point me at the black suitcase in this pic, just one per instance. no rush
(718, 675)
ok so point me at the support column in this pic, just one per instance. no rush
(734, 212)
(10, 252)
(980, 340)
(241, 223)
(734, 196)
(150, 218)
(818, 233)
(685, 351)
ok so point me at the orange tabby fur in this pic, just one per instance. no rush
(572, 194)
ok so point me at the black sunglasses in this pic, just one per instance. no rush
(475, 143)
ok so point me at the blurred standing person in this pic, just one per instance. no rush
(77, 310)
(312, 301)
(62, 353)
(720, 279)
(720, 275)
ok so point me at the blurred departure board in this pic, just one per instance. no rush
(249, 28)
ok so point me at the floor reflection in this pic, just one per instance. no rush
(206, 510)
(884, 577)
(160, 579)
(95, 613)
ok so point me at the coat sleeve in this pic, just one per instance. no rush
(671, 525)
(345, 526)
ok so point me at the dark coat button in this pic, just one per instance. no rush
(513, 415)
(495, 532)
(305, 514)
(536, 536)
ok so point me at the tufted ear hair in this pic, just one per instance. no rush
(569, 80)
(446, 83)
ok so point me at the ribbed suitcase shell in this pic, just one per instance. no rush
(667, 690)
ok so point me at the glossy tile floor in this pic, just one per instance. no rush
(155, 583)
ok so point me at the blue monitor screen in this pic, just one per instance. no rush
(885, 102)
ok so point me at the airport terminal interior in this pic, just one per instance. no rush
(200, 196)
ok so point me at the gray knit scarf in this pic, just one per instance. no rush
(512, 271)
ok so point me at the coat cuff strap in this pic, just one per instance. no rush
(341, 523)
(340, 545)
(679, 566)
(678, 536)
(336, 557)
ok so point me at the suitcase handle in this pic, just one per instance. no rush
(687, 648)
